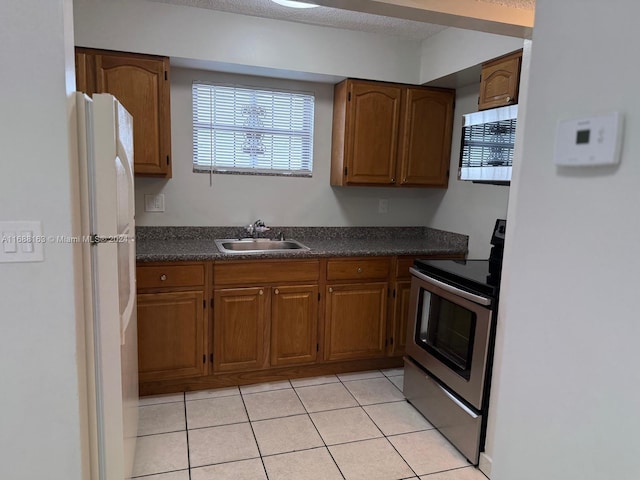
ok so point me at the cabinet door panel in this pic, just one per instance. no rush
(141, 86)
(499, 82)
(170, 335)
(372, 133)
(355, 321)
(239, 329)
(426, 139)
(294, 324)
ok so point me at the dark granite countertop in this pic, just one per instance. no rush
(170, 244)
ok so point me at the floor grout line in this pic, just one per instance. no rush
(320, 435)
(255, 439)
(186, 427)
(308, 414)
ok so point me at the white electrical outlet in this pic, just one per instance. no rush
(154, 203)
(383, 205)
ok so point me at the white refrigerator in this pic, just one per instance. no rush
(105, 139)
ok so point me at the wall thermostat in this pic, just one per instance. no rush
(589, 141)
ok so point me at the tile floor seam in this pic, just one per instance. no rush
(163, 473)
(186, 428)
(218, 425)
(255, 439)
(264, 391)
(402, 457)
(347, 389)
(451, 470)
(158, 433)
(320, 435)
(386, 436)
(322, 443)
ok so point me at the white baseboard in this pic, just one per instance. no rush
(485, 464)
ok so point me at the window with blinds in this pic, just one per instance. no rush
(488, 144)
(252, 130)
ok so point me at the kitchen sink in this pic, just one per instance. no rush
(257, 245)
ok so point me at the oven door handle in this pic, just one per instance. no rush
(451, 289)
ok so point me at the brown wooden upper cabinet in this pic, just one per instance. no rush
(499, 81)
(391, 134)
(141, 84)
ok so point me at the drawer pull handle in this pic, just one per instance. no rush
(163, 277)
(359, 269)
(277, 291)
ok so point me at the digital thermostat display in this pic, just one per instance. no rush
(594, 140)
(582, 136)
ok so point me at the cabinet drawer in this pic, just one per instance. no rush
(268, 271)
(356, 269)
(160, 276)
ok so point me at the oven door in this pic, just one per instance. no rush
(448, 335)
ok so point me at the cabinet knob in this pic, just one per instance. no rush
(330, 290)
(277, 292)
(508, 99)
(163, 277)
(359, 269)
(404, 180)
(261, 292)
(393, 180)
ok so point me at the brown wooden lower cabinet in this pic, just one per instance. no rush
(249, 322)
(355, 321)
(239, 329)
(171, 340)
(270, 320)
(294, 325)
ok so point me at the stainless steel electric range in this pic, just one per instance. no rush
(452, 323)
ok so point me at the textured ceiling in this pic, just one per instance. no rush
(333, 17)
(326, 16)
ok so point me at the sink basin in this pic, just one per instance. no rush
(257, 245)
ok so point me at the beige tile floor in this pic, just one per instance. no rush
(355, 426)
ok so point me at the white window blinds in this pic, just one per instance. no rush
(242, 129)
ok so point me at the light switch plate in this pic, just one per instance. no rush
(154, 202)
(22, 241)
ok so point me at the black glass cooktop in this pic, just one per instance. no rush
(470, 275)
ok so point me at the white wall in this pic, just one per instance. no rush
(454, 49)
(41, 424)
(467, 207)
(241, 199)
(230, 41)
(569, 382)
(238, 43)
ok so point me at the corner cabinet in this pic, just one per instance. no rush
(500, 81)
(391, 134)
(141, 84)
(172, 325)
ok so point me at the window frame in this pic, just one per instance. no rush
(306, 136)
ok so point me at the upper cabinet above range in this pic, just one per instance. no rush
(499, 81)
(388, 134)
(141, 84)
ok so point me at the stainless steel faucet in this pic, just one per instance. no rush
(256, 228)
